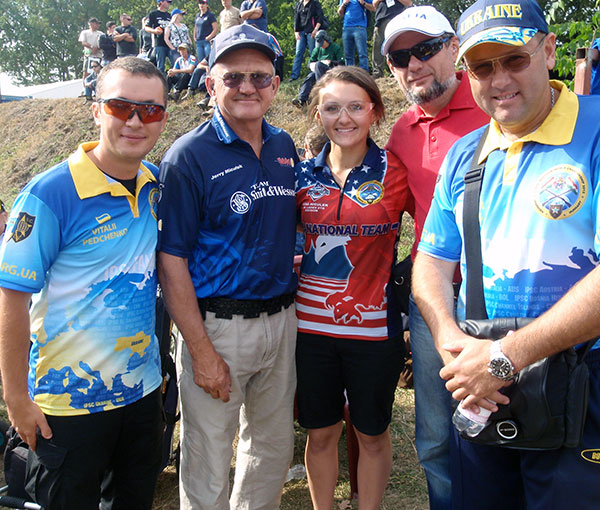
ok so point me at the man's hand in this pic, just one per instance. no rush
(26, 417)
(211, 373)
(468, 374)
(171, 72)
(297, 35)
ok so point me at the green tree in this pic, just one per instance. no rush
(38, 38)
(579, 32)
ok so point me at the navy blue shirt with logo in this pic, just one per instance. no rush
(229, 213)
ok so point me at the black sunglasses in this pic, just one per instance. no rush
(124, 110)
(2, 207)
(423, 51)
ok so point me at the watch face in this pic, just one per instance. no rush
(500, 368)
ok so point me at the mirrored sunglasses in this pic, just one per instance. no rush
(423, 51)
(124, 110)
(258, 80)
(354, 109)
(512, 63)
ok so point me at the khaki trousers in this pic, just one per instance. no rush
(260, 355)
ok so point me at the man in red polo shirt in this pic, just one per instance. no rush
(421, 49)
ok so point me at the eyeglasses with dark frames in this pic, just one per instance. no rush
(234, 80)
(123, 109)
(422, 51)
(513, 63)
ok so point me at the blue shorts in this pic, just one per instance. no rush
(500, 478)
(368, 371)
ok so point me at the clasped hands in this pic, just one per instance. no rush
(467, 375)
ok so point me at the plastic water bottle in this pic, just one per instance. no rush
(296, 472)
(469, 422)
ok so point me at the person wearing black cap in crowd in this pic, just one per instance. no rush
(326, 55)
(227, 227)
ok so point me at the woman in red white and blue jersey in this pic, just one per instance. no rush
(350, 201)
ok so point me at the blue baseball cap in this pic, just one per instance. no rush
(510, 22)
(240, 37)
(177, 11)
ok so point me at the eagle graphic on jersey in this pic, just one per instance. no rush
(344, 306)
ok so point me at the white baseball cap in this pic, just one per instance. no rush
(424, 19)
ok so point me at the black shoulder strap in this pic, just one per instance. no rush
(475, 302)
(475, 305)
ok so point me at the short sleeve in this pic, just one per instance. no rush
(179, 211)
(441, 237)
(30, 246)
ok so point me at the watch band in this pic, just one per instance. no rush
(500, 366)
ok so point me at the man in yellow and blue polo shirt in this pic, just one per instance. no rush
(81, 240)
(539, 220)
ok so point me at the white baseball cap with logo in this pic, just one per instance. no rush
(424, 19)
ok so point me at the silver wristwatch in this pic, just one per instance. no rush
(500, 366)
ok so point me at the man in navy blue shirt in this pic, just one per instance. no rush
(226, 239)
(254, 12)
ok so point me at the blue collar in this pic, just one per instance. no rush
(373, 158)
(227, 135)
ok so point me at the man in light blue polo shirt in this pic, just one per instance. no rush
(354, 33)
(539, 220)
(81, 240)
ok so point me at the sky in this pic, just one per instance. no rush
(6, 85)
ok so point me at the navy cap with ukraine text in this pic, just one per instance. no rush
(513, 23)
(241, 37)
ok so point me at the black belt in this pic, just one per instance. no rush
(226, 308)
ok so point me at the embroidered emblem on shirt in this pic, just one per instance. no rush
(103, 218)
(285, 161)
(23, 228)
(370, 192)
(560, 192)
(317, 191)
(240, 202)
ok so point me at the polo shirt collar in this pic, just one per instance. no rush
(90, 181)
(227, 135)
(557, 129)
(461, 99)
(372, 158)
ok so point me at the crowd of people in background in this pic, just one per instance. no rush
(164, 32)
